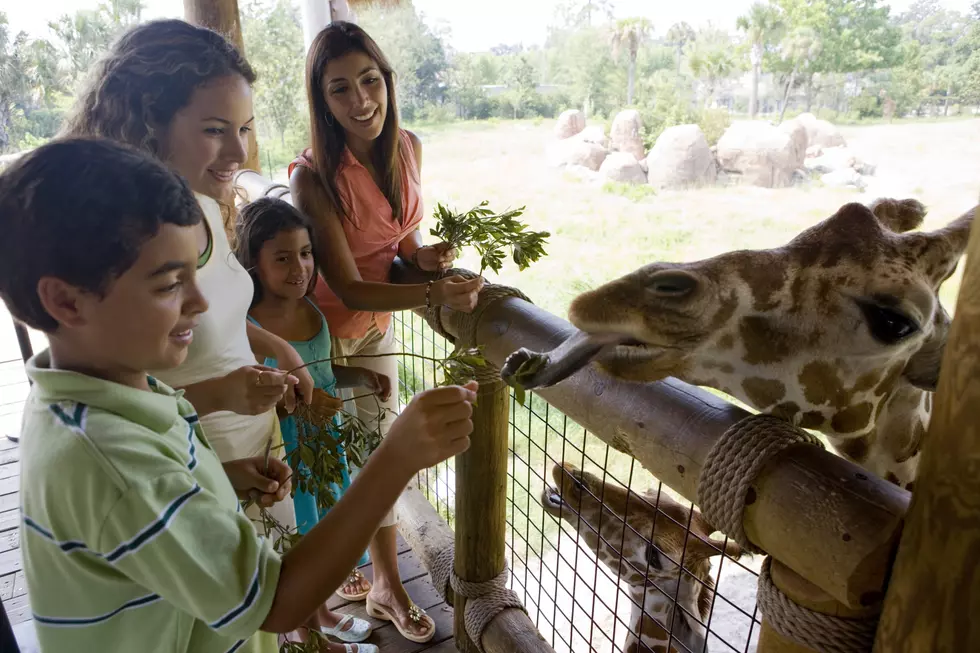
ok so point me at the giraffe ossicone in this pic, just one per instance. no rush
(840, 330)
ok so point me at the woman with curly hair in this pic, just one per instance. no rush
(183, 94)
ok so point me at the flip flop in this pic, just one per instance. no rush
(355, 576)
(358, 632)
(415, 614)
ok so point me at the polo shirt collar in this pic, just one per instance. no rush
(156, 409)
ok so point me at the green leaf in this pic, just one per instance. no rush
(519, 394)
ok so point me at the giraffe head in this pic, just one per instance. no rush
(644, 538)
(824, 331)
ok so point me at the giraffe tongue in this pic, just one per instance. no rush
(531, 369)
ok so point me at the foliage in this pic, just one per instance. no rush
(490, 234)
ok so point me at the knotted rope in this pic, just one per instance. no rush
(484, 601)
(729, 471)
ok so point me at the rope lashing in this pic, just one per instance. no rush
(821, 632)
(734, 462)
(484, 601)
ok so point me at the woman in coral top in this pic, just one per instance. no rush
(360, 185)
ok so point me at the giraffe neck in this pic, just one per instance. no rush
(658, 610)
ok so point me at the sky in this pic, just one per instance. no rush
(474, 26)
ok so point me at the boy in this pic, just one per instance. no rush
(132, 535)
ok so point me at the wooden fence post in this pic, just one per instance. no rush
(481, 498)
(933, 600)
(222, 17)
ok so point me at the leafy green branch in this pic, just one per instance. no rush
(490, 234)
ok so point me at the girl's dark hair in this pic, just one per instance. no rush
(328, 140)
(149, 75)
(259, 222)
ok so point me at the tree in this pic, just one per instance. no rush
(762, 26)
(89, 33)
(679, 35)
(273, 38)
(630, 33)
(798, 51)
(578, 14)
(712, 60)
(522, 83)
(581, 60)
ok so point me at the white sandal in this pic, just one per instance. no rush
(359, 631)
(361, 648)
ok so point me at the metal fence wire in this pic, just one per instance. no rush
(652, 555)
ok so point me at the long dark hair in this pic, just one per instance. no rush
(328, 140)
(258, 223)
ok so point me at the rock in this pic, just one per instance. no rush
(681, 158)
(626, 133)
(843, 178)
(814, 151)
(569, 123)
(833, 159)
(594, 134)
(797, 134)
(820, 132)
(572, 151)
(760, 154)
(622, 167)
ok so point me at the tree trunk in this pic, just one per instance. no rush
(949, 94)
(630, 76)
(789, 85)
(754, 96)
(809, 92)
(680, 48)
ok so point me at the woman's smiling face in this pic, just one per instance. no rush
(357, 95)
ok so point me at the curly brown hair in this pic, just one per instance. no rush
(149, 75)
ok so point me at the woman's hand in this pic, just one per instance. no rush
(288, 359)
(251, 389)
(433, 258)
(457, 292)
(379, 384)
(252, 481)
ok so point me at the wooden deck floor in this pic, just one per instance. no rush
(13, 589)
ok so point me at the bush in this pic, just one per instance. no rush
(714, 122)
(866, 106)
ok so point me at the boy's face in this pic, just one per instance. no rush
(146, 318)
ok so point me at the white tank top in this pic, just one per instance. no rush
(220, 344)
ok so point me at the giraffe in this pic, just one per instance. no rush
(642, 538)
(840, 330)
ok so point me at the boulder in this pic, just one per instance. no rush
(626, 133)
(622, 167)
(572, 151)
(569, 123)
(681, 158)
(594, 134)
(843, 178)
(820, 132)
(797, 135)
(758, 153)
(832, 159)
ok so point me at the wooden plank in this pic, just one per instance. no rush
(9, 519)
(10, 469)
(10, 456)
(9, 502)
(7, 586)
(10, 540)
(18, 610)
(9, 485)
(445, 646)
(10, 562)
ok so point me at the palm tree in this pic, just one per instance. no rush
(762, 25)
(679, 35)
(712, 64)
(630, 32)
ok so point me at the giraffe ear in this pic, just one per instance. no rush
(938, 252)
(898, 215)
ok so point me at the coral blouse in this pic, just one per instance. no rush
(373, 234)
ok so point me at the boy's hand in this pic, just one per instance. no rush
(379, 384)
(247, 477)
(434, 426)
(255, 389)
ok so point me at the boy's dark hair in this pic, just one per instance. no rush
(258, 223)
(80, 210)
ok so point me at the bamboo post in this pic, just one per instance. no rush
(933, 599)
(222, 17)
(808, 595)
(481, 498)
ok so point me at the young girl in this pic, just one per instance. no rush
(274, 242)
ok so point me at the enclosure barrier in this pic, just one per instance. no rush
(830, 529)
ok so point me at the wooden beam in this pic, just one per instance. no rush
(933, 600)
(222, 16)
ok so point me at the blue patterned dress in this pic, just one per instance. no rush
(316, 348)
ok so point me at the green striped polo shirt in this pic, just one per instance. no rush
(132, 537)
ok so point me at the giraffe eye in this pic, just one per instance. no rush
(653, 557)
(887, 325)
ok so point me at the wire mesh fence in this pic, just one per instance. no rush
(600, 551)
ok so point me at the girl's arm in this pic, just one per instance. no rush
(269, 345)
(341, 273)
